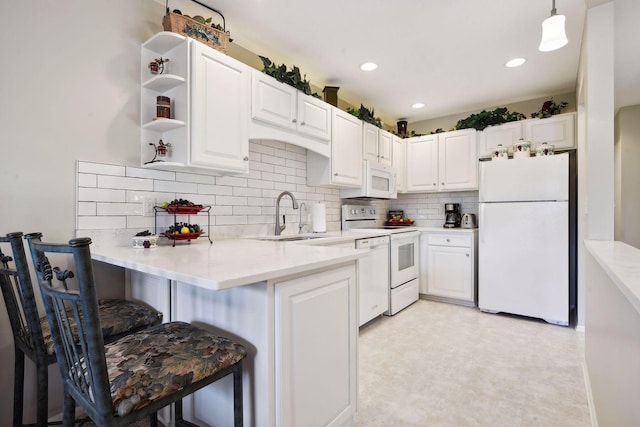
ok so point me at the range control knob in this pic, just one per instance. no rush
(372, 211)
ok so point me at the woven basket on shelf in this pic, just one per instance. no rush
(176, 23)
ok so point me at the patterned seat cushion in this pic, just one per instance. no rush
(158, 361)
(117, 316)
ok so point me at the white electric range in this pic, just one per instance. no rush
(403, 254)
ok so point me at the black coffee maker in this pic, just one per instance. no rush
(452, 215)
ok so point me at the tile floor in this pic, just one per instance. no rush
(442, 365)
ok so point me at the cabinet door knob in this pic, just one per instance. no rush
(294, 121)
(335, 174)
(443, 183)
(448, 240)
(302, 124)
(467, 254)
(246, 159)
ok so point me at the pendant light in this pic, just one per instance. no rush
(553, 35)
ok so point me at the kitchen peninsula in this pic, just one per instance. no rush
(293, 306)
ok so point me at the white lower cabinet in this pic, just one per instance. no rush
(316, 343)
(448, 269)
(301, 338)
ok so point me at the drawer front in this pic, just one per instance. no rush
(449, 240)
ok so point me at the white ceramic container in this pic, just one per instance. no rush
(500, 153)
(544, 149)
(521, 149)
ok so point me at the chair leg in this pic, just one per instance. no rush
(177, 411)
(153, 420)
(18, 388)
(237, 395)
(69, 410)
(42, 392)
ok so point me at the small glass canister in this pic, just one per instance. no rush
(521, 149)
(544, 149)
(163, 107)
(500, 153)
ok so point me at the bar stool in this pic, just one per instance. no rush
(31, 332)
(135, 376)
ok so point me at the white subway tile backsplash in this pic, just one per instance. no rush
(192, 177)
(247, 210)
(230, 201)
(87, 208)
(101, 195)
(102, 222)
(140, 223)
(276, 177)
(174, 186)
(231, 181)
(241, 205)
(273, 160)
(259, 148)
(231, 220)
(150, 174)
(260, 184)
(105, 181)
(119, 209)
(87, 180)
(246, 191)
(101, 169)
(215, 189)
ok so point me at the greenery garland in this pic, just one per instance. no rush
(291, 77)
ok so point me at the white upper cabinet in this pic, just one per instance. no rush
(442, 162)
(422, 163)
(505, 135)
(377, 144)
(385, 147)
(344, 167)
(220, 110)
(283, 113)
(457, 160)
(399, 160)
(209, 93)
(370, 141)
(272, 101)
(314, 117)
(558, 130)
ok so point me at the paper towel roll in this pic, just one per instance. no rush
(319, 214)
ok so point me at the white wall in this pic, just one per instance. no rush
(524, 107)
(628, 175)
(70, 90)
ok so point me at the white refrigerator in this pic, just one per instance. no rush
(523, 222)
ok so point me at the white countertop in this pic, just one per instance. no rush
(226, 263)
(622, 263)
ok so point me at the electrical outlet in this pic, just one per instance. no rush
(147, 206)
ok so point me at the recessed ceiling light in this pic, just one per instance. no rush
(515, 62)
(418, 105)
(368, 66)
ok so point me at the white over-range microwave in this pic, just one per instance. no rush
(378, 182)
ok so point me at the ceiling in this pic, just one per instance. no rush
(447, 54)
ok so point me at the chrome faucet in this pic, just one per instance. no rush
(279, 227)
